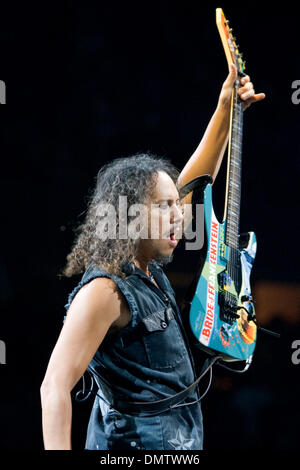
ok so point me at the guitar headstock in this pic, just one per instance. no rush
(232, 52)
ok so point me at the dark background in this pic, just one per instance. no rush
(88, 82)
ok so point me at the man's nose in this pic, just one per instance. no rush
(176, 215)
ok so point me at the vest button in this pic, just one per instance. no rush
(164, 324)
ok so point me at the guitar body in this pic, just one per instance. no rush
(216, 319)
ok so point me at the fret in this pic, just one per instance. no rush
(235, 155)
(232, 228)
(237, 127)
(233, 194)
(232, 234)
(232, 244)
(234, 207)
(232, 220)
(232, 231)
(236, 204)
(234, 175)
(232, 212)
(234, 172)
(234, 184)
(233, 223)
(235, 146)
(235, 167)
(233, 238)
(238, 130)
(236, 159)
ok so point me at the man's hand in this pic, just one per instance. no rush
(246, 91)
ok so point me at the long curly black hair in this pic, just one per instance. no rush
(134, 177)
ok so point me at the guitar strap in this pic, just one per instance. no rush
(197, 183)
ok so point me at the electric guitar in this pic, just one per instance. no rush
(221, 309)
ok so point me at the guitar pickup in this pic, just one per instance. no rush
(224, 280)
(228, 307)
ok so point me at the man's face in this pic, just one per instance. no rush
(164, 221)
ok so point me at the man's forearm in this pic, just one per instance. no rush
(208, 156)
(57, 417)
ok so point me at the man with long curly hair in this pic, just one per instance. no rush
(122, 321)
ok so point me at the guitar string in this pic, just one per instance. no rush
(234, 194)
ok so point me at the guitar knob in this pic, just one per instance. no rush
(246, 298)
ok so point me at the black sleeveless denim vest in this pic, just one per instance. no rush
(149, 359)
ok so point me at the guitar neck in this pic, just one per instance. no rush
(234, 168)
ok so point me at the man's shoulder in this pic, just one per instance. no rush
(110, 296)
(99, 298)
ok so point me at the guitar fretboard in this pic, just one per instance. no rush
(234, 172)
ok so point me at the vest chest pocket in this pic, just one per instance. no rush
(163, 340)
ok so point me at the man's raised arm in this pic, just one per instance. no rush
(208, 156)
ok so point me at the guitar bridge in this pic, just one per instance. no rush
(228, 307)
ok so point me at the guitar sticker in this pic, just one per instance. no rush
(208, 322)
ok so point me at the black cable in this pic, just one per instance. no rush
(237, 371)
(202, 396)
(149, 413)
(252, 318)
